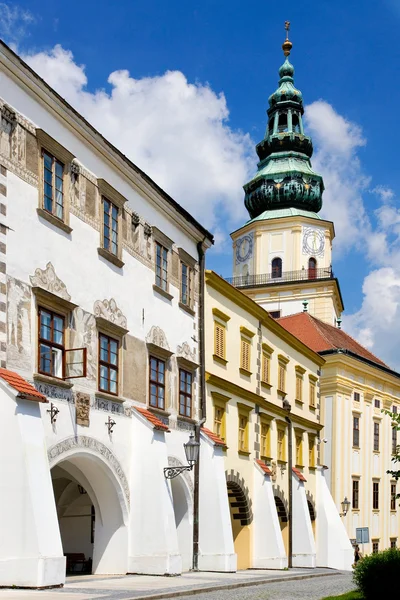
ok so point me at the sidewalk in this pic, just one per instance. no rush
(149, 587)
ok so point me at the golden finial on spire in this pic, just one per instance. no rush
(287, 44)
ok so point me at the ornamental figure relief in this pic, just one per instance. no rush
(48, 280)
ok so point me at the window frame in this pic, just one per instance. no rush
(375, 495)
(311, 451)
(219, 402)
(53, 172)
(312, 391)
(393, 495)
(243, 437)
(298, 445)
(51, 343)
(110, 226)
(57, 152)
(109, 194)
(355, 494)
(220, 323)
(356, 431)
(189, 285)
(375, 546)
(356, 396)
(376, 436)
(108, 365)
(265, 439)
(394, 440)
(185, 394)
(159, 280)
(281, 444)
(276, 268)
(156, 383)
(245, 356)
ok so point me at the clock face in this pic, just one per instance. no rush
(313, 242)
(244, 248)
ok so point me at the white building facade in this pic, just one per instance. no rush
(99, 332)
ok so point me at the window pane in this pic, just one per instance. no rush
(59, 170)
(57, 362)
(45, 358)
(58, 329)
(113, 381)
(48, 190)
(48, 161)
(45, 325)
(48, 176)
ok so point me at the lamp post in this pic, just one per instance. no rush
(345, 507)
(192, 455)
(288, 408)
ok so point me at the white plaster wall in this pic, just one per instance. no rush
(304, 551)
(216, 542)
(268, 547)
(30, 545)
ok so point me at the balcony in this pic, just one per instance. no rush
(276, 278)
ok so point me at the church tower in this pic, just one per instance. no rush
(282, 256)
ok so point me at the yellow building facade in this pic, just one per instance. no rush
(255, 371)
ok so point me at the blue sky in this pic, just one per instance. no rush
(193, 130)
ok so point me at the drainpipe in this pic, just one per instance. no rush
(202, 404)
(286, 406)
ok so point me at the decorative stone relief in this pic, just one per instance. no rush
(95, 446)
(48, 280)
(84, 335)
(184, 351)
(19, 350)
(82, 406)
(108, 309)
(157, 337)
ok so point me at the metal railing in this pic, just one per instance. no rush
(276, 277)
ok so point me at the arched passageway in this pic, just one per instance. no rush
(92, 513)
(241, 518)
(183, 520)
(283, 522)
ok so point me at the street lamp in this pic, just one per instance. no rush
(345, 507)
(192, 454)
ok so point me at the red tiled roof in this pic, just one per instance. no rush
(25, 390)
(213, 437)
(320, 336)
(264, 467)
(298, 474)
(155, 421)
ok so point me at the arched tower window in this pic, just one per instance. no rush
(312, 268)
(271, 125)
(282, 122)
(295, 123)
(276, 268)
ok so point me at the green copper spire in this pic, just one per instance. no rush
(284, 178)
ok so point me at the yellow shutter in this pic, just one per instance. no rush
(245, 355)
(312, 393)
(299, 388)
(265, 368)
(219, 340)
(281, 379)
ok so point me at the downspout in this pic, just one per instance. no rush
(202, 403)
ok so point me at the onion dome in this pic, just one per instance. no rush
(284, 178)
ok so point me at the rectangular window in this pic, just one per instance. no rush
(394, 440)
(266, 367)
(157, 383)
(377, 403)
(161, 267)
(393, 542)
(311, 451)
(53, 185)
(243, 424)
(51, 343)
(245, 355)
(281, 377)
(312, 394)
(281, 445)
(356, 397)
(356, 492)
(376, 437)
(299, 388)
(299, 450)
(219, 340)
(186, 285)
(394, 409)
(185, 393)
(265, 437)
(375, 495)
(110, 226)
(393, 494)
(219, 422)
(356, 432)
(108, 364)
(375, 547)
(275, 314)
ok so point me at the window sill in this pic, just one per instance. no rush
(159, 411)
(187, 309)
(282, 393)
(244, 452)
(52, 380)
(186, 419)
(268, 458)
(281, 462)
(266, 385)
(107, 396)
(299, 466)
(312, 468)
(220, 359)
(356, 447)
(110, 257)
(357, 510)
(245, 372)
(162, 292)
(312, 408)
(48, 216)
(298, 401)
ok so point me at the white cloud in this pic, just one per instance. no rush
(177, 132)
(14, 22)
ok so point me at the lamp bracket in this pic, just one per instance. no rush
(171, 472)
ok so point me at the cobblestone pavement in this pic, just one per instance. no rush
(273, 585)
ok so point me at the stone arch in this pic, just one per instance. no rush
(239, 494)
(311, 505)
(280, 495)
(81, 445)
